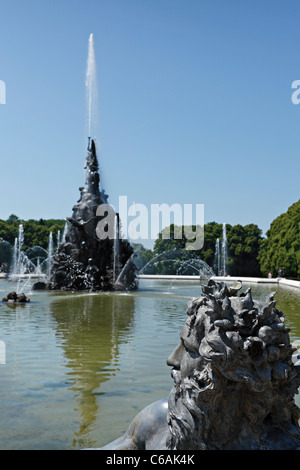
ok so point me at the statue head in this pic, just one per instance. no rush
(234, 381)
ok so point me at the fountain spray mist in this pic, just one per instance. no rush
(91, 85)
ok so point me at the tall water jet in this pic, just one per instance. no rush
(91, 86)
(63, 238)
(38, 270)
(224, 251)
(50, 255)
(116, 249)
(20, 266)
(58, 238)
(217, 263)
(17, 262)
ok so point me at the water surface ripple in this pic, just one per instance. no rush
(80, 366)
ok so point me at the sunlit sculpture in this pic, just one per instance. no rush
(234, 381)
(83, 261)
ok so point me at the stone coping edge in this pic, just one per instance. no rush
(256, 280)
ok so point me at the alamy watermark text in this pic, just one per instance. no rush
(2, 352)
(2, 92)
(138, 222)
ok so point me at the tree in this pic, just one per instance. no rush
(281, 248)
(143, 255)
(169, 238)
(243, 247)
(212, 232)
(8, 231)
(12, 219)
(36, 233)
(5, 253)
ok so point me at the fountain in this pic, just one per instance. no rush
(83, 261)
(27, 264)
(177, 261)
(22, 267)
(23, 270)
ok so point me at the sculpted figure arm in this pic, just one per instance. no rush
(148, 430)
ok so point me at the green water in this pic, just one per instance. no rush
(80, 366)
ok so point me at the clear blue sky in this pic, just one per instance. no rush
(194, 105)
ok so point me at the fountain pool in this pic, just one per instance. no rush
(74, 361)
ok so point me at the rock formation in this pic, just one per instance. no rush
(14, 298)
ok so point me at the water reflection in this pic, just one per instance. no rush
(91, 329)
(289, 303)
(79, 367)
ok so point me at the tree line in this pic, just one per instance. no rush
(243, 244)
(36, 234)
(249, 253)
(281, 247)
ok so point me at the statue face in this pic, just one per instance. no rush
(185, 359)
(191, 377)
